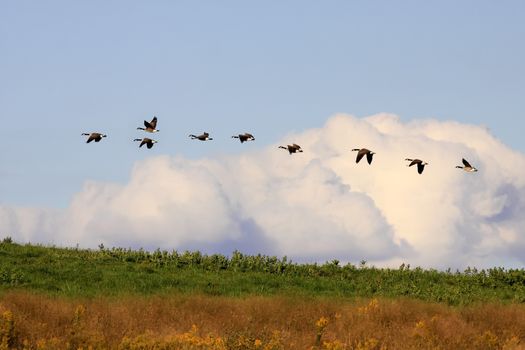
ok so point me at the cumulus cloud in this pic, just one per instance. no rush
(313, 206)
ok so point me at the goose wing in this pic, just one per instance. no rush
(465, 163)
(153, 122)
(93, 137)
(415, 161)
(369, 157)
(360, 155)
(146, 141)
(420, 167)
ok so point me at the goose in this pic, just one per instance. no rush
(292, 148)
(146, 141)
(204, 137)
(244, 137)
(419, 162)
(467, 167)
(94, 136)
(150, 126)
(361, 153)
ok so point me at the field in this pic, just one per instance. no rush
(56, 298)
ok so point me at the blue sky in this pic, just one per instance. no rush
(272, 68)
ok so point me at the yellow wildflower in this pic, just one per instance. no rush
(322, 323)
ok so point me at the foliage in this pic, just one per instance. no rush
(7, 330)
(36, 321)
(112, 272)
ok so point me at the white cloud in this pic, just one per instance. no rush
(317, 205)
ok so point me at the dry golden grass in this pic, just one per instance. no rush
(29, 321)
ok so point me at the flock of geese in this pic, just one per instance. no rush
(151, 127)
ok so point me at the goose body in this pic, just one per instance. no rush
(419, 162)
(94, 136)
(361, 152)
(244, 137)
(293, 148)
(204, 137)
(466, 166)
(146, 141)
(150, 126)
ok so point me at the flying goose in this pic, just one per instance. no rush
(419, 162)
(292, 148)
(94, 136)
(244, 137)
(361, 153)
(146, 141)
(467, 167)
(204, 137)
(150, 126)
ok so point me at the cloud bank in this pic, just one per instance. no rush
(313, 206)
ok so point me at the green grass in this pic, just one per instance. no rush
(116, 272)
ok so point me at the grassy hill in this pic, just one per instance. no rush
(55, 298)
(119, 272)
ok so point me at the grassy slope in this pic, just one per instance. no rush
(117, 272)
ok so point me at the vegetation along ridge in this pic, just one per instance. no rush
(117, 271)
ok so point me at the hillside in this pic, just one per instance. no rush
(117, 272)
